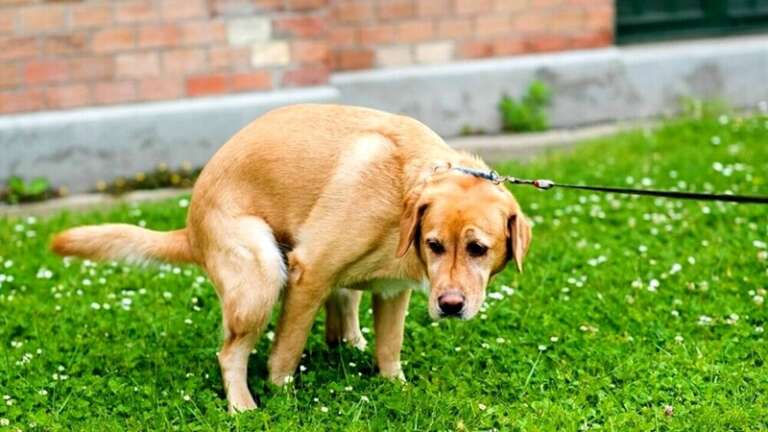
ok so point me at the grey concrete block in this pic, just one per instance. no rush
(77, 148)
(588, 86)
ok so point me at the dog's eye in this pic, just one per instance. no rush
(475, 249)
(435, 246)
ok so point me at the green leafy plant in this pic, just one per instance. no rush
(529, 113)
(18, 191)
(160, 177)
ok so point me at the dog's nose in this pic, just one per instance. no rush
(451, 303)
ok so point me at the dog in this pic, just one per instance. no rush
(318, 203)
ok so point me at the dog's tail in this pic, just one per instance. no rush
(122, 242)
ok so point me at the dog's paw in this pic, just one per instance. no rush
(358, 342)
(238, 406)
(393, 373)
(281, 379)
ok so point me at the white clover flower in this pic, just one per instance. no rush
(188, 321)
(759, 329)
(481, 407)
(271, 335)
(653, 284)
(95, 306)
(704, 320)
(348, 388)
(679, 339)
(542, 348)
(496, 295)
(364, 398)
(324, 409)
(302, 368)
(500, 340)
(758, 299)
(4, 422)
(183, 203)
(676, 267)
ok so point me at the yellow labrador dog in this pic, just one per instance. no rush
(308, 199)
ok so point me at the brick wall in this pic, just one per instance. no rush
(57, 54)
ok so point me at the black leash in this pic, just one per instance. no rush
(494, 177)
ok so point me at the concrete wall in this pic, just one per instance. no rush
(588, 86)
(77, 148)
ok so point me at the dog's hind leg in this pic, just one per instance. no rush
(341, 318)
(248, 271)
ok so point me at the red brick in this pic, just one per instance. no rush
(267, 5)
(229, 58)
(475, 49)
(38, 19)
(493, 25)
(473, 6)
(91, 15)
(174, 10)
(159, 36)
(113, 39)
(203, 32)
(431, 8)
(304, 5)
(133, 11)
(309, 51)
(541, 4)
(378, 34)
(25, 100)
(112, 92)
(353, 59)
(352, 11)
(183, 61)
(567, 20)
(455, 28)
(343, 36)
(395, 9)
(67, 96)
(91, 68)
(542, 43)
(10, 75)
(18, 48)
(509, 46)
(531, 22)
(301, 26)
(600, 18)
(511, 5)
(46, 71)
(415, 31)
(73, 43)
(307, 76)
(7, 20)
(202, 85)
(592, 40)
(260, 80)
(161, 88)
(137, 65)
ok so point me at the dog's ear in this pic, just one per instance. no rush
(518, 238)
(414, 209)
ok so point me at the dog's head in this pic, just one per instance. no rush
(464, 230)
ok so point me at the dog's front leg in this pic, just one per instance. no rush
(389, 322)
(303, 298)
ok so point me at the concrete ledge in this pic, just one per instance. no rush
(495, 148)
(77, 148)
(589, 87)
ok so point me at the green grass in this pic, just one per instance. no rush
(586, 341)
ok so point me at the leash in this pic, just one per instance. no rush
(496, 178)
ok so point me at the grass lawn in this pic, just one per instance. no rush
(633, 314)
